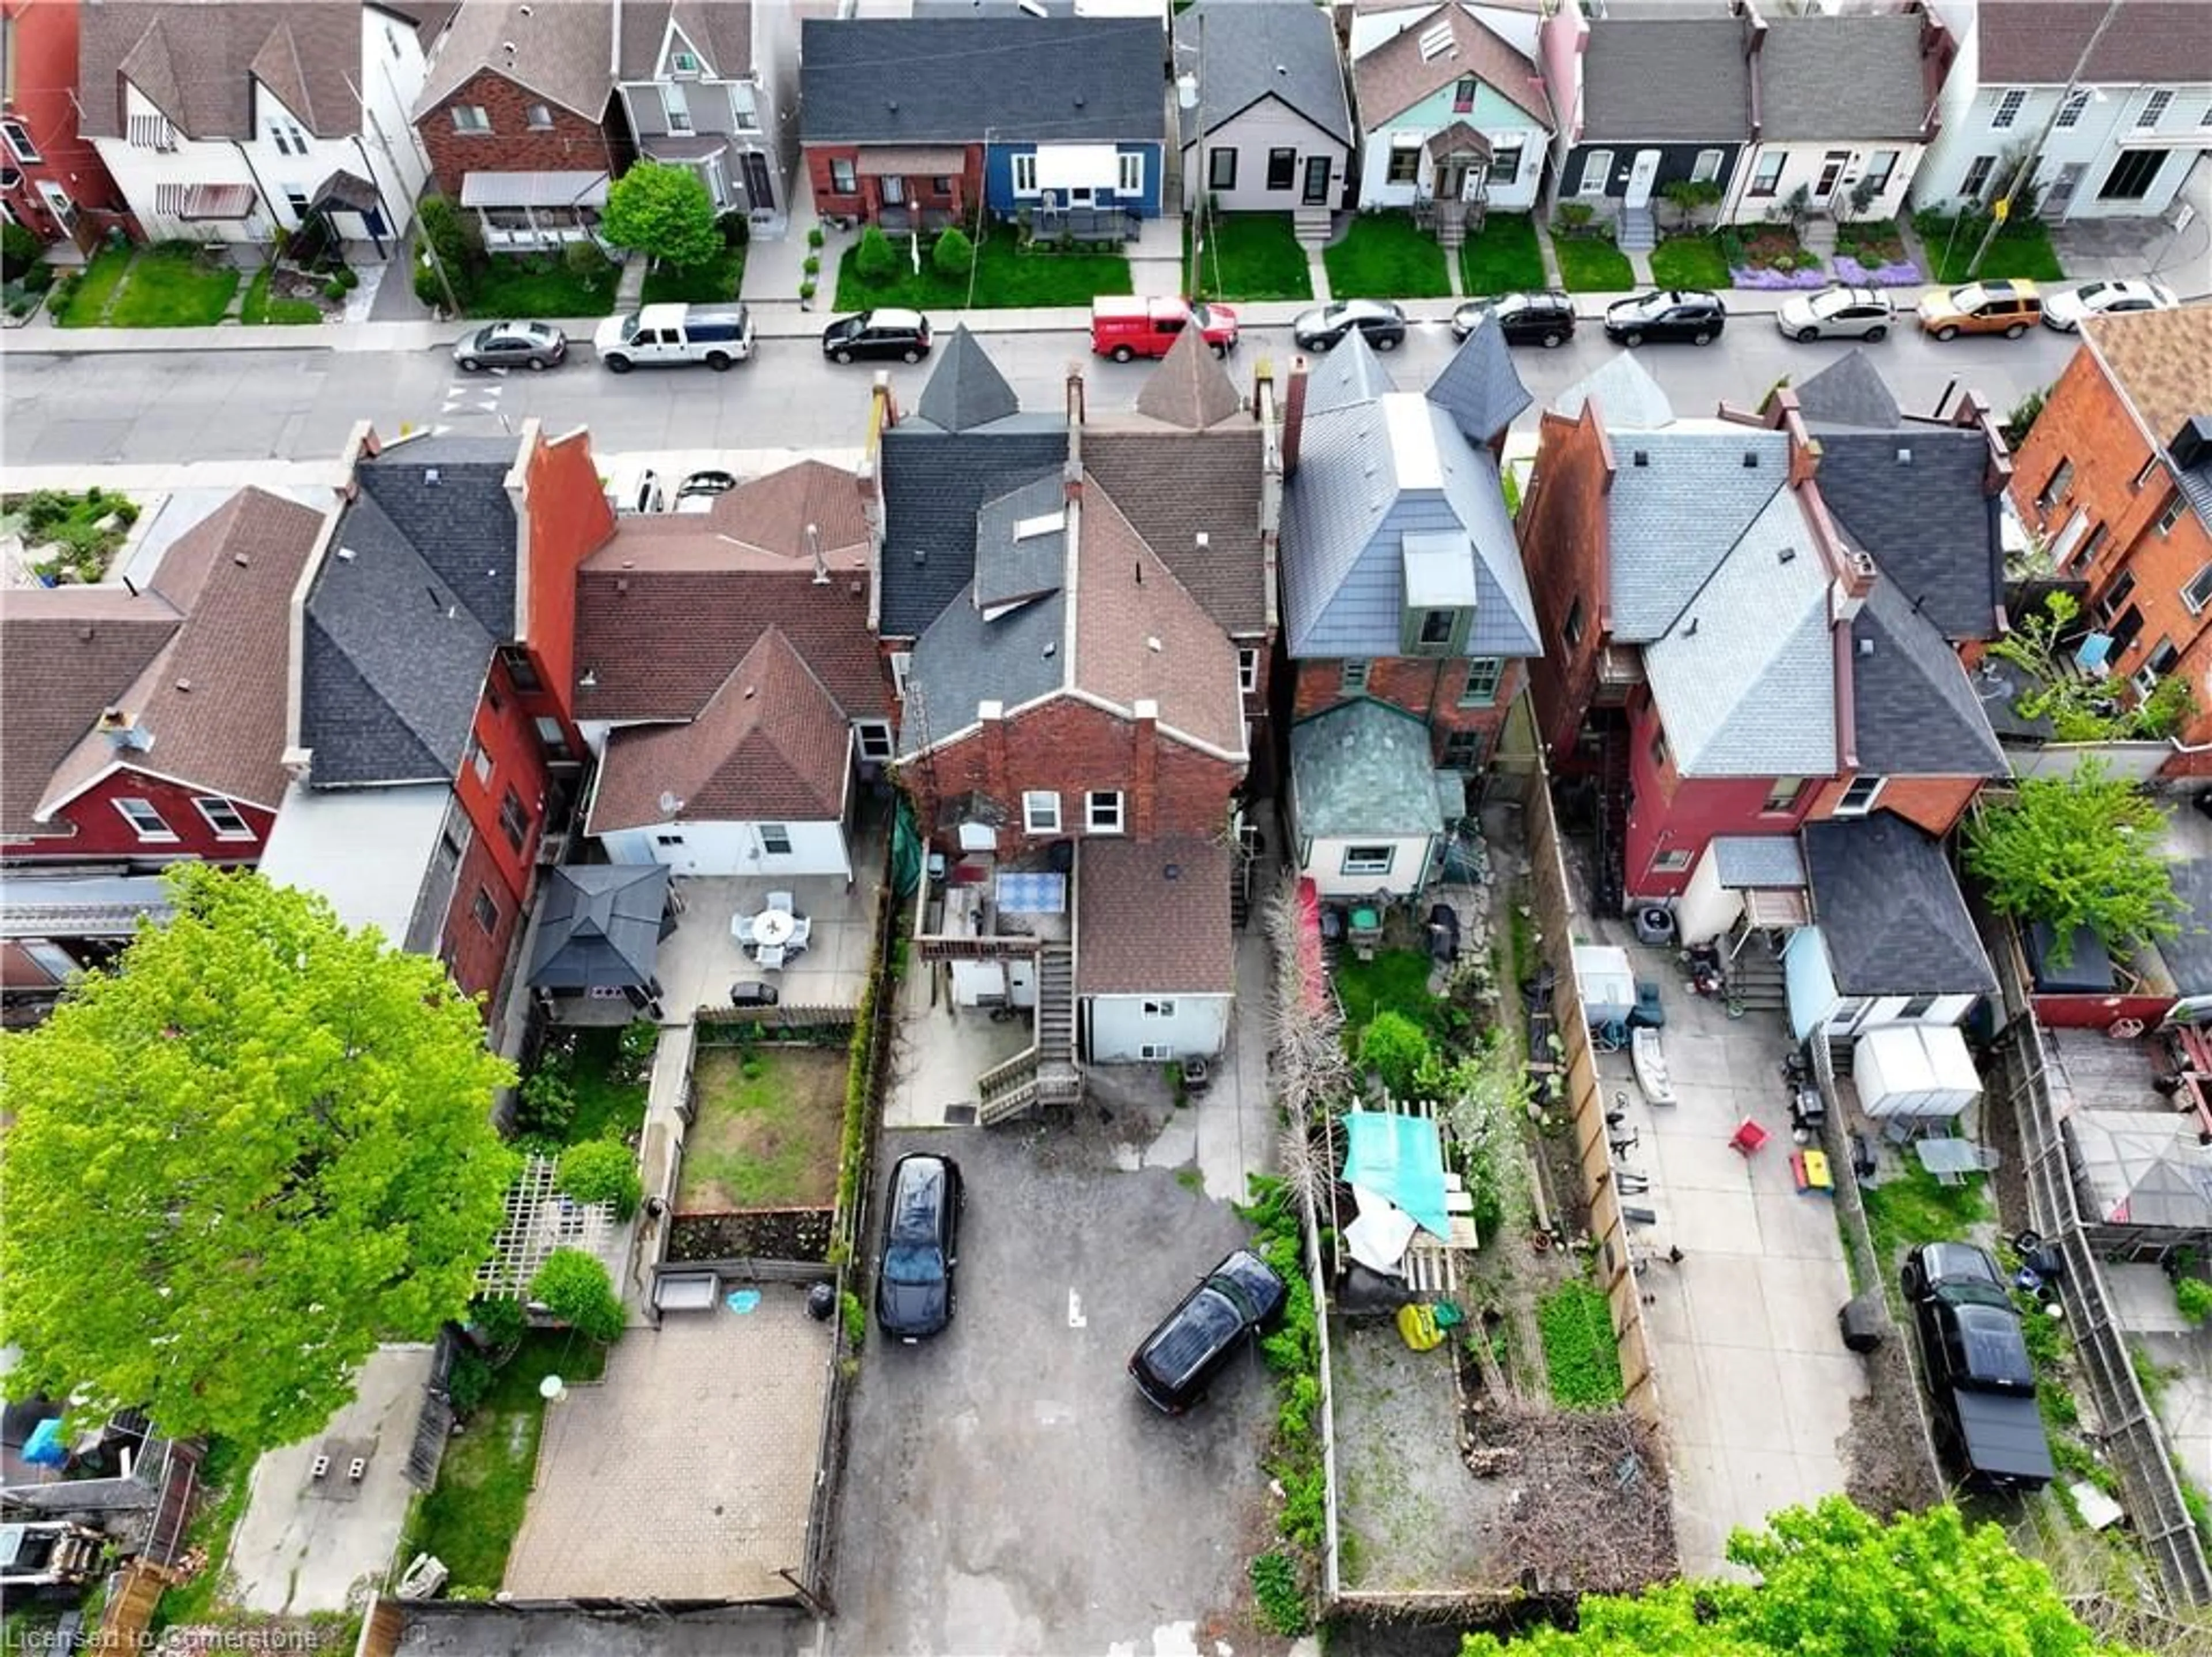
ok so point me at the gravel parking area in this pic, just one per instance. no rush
(1005, 1488)
(1414, 1517)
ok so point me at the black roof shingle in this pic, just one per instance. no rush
(1890, 911)
(934, 482)
(1916, 711)
(1916, 501)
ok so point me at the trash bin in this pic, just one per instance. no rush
(1860, 1321)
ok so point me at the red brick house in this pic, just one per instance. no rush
(52, 180)
(2116, 477)
(434, 752)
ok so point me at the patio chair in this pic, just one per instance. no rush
(802, 929)
(784, 901)
(769, 958)
(741, 928)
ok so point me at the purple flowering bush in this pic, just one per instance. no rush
(1753, 276)
(1898, 273)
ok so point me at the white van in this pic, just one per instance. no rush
(665, 336)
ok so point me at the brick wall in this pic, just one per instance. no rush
(90, 827)
(1428, 688)
(474, 957)
(1562, 528)
(1070, 748)
(570, 144)
(1935, 803)
(506, 729)
(565, 519)
(863, 201)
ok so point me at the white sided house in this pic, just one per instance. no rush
(1156, 949)
(1263, 89)
(229, 134)
(1450, 110)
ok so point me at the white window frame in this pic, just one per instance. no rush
(1597, 173)
(2010, 101)
(1155, 1053)
(1484, 675)
(531, 114)
(1248, 668)
(131, 809)
(849, 183)
(1023, 171)
(901, 665)
(1848, 806)
(1977, 176)
(223, 818)
(476, 128)
(2171, 515)
(1161, 1007)
(874, 738)
(774, 838)
(1129, 173)
(1706, 167)
(482, 902)
(1040, 812)
(2154, 109)
(480, 761)
(675, 110)
(2070, 112)
(1672, 860)
(1105, 812)
(20, 145)
(1881, 169)
(2196, 592)
(1352, 863)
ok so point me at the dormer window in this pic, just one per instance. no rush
(1439, 603)
(683, 63)
(1437, 628)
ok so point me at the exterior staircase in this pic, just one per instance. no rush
(1046, 1071)
(1451, 225)
(1312, 226)
(1755, 980)
(1637, 231)
(1818, 235)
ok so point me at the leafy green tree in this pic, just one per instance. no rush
(665, 213)
(256, 1147)
(574, 1286)
(601, 1171)
(954, 254)
(1397, 1049)
(1834, 1582)
(2076, 851)
(875, 258)
(1689, 196)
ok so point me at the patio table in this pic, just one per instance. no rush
(1951, 1159)
(772, 927)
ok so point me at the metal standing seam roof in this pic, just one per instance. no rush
(1744, 680)
(1039, 80)
(1855, 76)
(1658, 78)
(583, 188)
(1673, 514)
(1363, 768)
(364, 851)
(1244, 50)
(1914, 711)
(1890, 912)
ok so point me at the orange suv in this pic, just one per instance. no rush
(2010, 309)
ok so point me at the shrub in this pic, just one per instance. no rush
(640, 1039)
(814, 236)
(428, 287)
(467, 1382)
(1282, 1601)
(574, 1289)
(346, 278)
(807, 290)
(1395, 1048)
(736, 230)
(877, 260)
(1575, 217)
(812, 265)
(1581, 1355)
(498, 1322)
(335, 291)
(954, 254)
(601, 1171)
(548, 1101)
(584, 259)
(853, 1316)
(2193, 1297)
(19, 250)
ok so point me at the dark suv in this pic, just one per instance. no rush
(921, 1246)
(902, 336)
(1179, 1357)
(1546, 318)
(1666, 314)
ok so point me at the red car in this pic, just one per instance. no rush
(1126, 326)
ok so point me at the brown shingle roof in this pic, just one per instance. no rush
(771, 745)
(1139, 636)
(66, 654)
(2037, 42)
(1395, 76)
(2158, 359)
(1190, 388)
(563, 51)
(213, 700)
(1174, 486)
(722, 30)
(196, 61)
(1144, 933)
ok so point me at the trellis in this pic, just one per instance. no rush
(539, 1220)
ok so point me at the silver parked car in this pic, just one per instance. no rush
(511, 345)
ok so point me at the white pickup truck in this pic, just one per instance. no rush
(668, 336)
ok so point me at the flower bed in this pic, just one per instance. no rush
(1900, 273)
(1770, 256)
(1752, 276)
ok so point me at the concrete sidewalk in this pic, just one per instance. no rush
(773, 319)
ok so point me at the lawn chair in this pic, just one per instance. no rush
(784, 901)
(802, 929)
(741, 928)
(770, 957)
(1748, 1136)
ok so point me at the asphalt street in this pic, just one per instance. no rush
(288, 405)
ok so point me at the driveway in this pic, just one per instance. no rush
(1005, 1488)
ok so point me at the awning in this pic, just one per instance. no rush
(217, 201)
(79, 905)
(534, 190)
(347, 191)
(1745, 860)
(1077, 167)
(932, 160)
(1459, 139)
(682, 146)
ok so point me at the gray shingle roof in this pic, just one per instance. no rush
(1478, 386)
(1915, 710)
(1349, 375)
(947, 79)
(1255, 49)
(1628, 397)
(1746, 861)
(1890, 912)
(1675, 518)
(934, 482)
(1174, 486)
(1927, 523)
(965, 388)
(1370, 474)
(1849, 391)
(1008, 567)
(1190, 387)
(1858, 76)
(719, 31)
(1745, 679)
(447, 496)
(1665, 77)
(963, 660)
(2037, 42)
(1364, 768)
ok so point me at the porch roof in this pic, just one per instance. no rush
(580, 188)
(917, 159)
(349, 193)
(682, 146)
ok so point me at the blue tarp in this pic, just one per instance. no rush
(1400, 1157)
(45, 1448)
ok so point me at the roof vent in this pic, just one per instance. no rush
(430, 475)
(1204, 540)
(346, 554)
(1641, 458)
(1751, 459)
(242, 560)
(1171, 872)
(185, 685)
(1691, 631)
(750, 692)
(1078, 100)
(1866, 647)
(1051, 648)
(1034, 9)
(622, 583)
(1904, 457)
(892, 105)
(1788, 555)
(1152, 644)
(922, 555)
(1436, 42)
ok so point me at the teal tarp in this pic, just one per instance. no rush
(1400, 1157)
(906, 851)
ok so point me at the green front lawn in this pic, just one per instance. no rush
(89, 296)
(2023, 249)
(700, 284)
(1005, 278)
(1690, 262)
(1591, 264)
(1383, 256)
(260, 308)
(537, 285)
(164, 286)
(1251, 256)
(470, 1521)
(1395, 981)
(1504, 258)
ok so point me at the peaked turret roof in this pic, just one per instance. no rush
(1190, 388)
(966, 390)
(1350, 374)
(1479, 387)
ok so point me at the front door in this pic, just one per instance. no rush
(894, 190)
(1832, 173)
(2056, 198)
(1316, 190)
(1643, 174)
(1451, 178)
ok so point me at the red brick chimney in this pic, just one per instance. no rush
(1145, 772)
(1075, 400)
(1294, 416)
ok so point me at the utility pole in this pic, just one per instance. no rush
(1200, 216)
(2001, 209)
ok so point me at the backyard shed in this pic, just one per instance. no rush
(1915, 1070)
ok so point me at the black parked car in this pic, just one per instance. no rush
(903, 335)
(1546, 318)
(1325, 326)
(1179, 1357)
(1666, 314)
(922, 1245)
